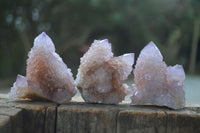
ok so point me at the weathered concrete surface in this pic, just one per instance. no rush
(24, 116)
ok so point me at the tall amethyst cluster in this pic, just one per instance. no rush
(155, 83)
(47, 76)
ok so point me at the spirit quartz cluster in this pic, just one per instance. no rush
(155, 83)
(100, 75)
(47, 76)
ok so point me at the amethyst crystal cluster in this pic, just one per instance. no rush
(155, 83)
(47, 76)
(101, 76)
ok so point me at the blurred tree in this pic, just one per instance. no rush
(11, 52)
(129, 25)
(195, 5)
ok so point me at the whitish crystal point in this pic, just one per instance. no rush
(100, 75)
(101, 41)
(155, 83)
(104, 43)
(99, 52)
(44, 41)
(129, 58)
(20, 78)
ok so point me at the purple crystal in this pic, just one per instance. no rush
(44, 41)
(20, 87)
(155, 83)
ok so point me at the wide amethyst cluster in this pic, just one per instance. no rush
(101, 75)
(155, 83)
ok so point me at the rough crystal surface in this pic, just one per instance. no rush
(100, 75)
(47, 76)
(155, 83)
(20, 87)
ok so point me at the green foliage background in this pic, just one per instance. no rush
(74, 24)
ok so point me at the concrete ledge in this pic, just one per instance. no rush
(23, 116)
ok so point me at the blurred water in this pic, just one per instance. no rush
(192, 88)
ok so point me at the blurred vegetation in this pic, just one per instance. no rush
(73, 25)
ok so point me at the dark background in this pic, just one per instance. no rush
(174, 26)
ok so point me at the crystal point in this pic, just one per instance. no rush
(100, 75)
(44, 41)
(47, 76)
(151, 51)
(155, 83)
(128, 58)
(19, 87)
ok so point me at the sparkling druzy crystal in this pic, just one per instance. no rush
(47, 76)
(155, 83)
(100, 75)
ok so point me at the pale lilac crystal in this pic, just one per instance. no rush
(155, 83)
(44, 41)
(100, 75)
(20, 87)
(47, 76)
